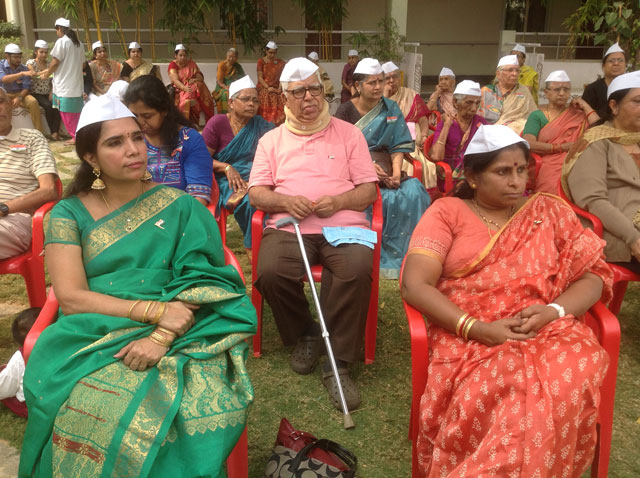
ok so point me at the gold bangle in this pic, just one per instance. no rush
(161, 338)
(146, 311)
(227, 168)
(461, 321)
(166, 331)
(159, 341)
(132, 307)
(467, 328)
(159, 312)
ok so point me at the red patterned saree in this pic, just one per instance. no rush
(199, 99)
(271, 103)
(521, 408)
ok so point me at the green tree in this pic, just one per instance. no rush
(607, 22)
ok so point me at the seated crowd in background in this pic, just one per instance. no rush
(274, 146)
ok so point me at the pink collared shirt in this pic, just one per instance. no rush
(330, 162)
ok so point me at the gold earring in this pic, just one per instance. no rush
(146, 176)
(97, 183)
(473, 186)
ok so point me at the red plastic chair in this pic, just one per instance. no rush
(448, 173)
(30, 264)
(238, 460)
(600, 319)
(257, 226)
(434, 118)
(621, 275)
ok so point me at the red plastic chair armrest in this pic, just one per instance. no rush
(595, 220)
(46, 317)
(417, 166)
(231, 259)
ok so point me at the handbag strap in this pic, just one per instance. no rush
(345, 455)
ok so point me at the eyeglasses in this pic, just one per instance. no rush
(248, 99)
(315, 90)
(560, 90)
(615, 60)
(511, 70)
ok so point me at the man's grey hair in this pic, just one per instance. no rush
(233, 50)
(285, 84)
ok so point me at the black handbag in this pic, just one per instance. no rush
(286, 463)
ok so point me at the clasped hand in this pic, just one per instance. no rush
(143, 353)
(524, 325)
(301, 207)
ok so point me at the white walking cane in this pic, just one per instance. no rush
(285, 221)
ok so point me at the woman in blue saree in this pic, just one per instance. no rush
(143, 374)
(232, 140)
(404, 200)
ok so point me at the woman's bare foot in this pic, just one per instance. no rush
(70, 142)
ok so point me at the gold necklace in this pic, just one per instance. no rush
(486, 219)
(129, 226)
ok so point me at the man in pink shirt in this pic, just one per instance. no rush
(317, 169)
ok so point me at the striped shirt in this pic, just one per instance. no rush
(24, 155)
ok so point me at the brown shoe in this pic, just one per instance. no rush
(349, 387)
(306, 354)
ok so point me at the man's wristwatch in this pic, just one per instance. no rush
(4, 209)
(559, 309)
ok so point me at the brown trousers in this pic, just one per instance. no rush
(344, 294)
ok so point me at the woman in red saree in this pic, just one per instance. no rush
(192, 94)
(552, 130)
(514, 373)
(269, 92)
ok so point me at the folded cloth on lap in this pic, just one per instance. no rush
(350, 235)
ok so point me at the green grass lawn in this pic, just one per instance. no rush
(380, 437)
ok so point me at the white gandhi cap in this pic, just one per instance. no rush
(179, 47)
(492, 138)
(388, 67)
(623, 82)
(519, 48)
(298, 69)
(447, 72)
(271, 45)
(352, 53)
(468, 87)
(96, 44)
(103, 108)
(62, 22)
(508, 61)
(558, 75)
(615, 48)
(313, 55)
(368, 66)
(41, 44)
(239, 85)
(134, 45)
(118, 89)
(12, 48)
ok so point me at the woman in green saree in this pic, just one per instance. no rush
(144, 372)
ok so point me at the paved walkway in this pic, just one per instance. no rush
(9, 459)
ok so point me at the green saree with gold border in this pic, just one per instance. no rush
(89, 414)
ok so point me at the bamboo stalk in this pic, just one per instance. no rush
(138, 26)
(85, 22)
(96, 15)
(153, 32)
(113, 8)
(210, 31)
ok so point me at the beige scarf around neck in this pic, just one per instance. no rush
(305, 129)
